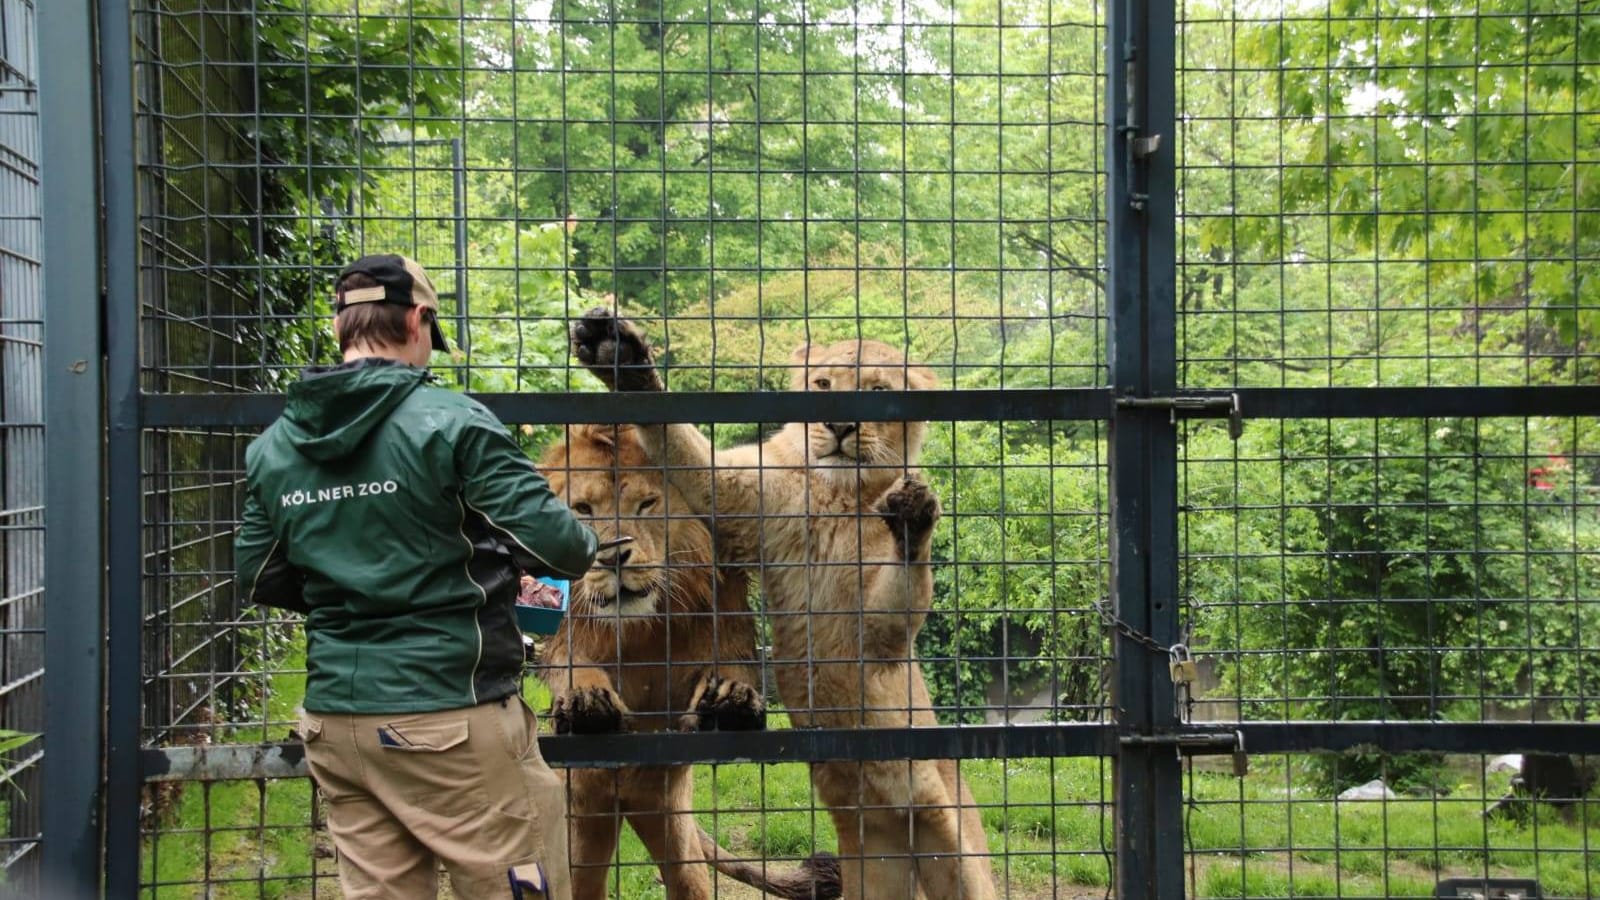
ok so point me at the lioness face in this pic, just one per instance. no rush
(860, 366)
(635, 580)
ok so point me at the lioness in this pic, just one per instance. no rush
(841, 527)
(639, 650)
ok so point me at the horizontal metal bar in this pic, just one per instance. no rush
(246, 410)
(1412, 402)
(254, 410)
(224, 762)
(221, 762)
(1412, 737)
(21, 846)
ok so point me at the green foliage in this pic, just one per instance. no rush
(329, 88)
(1412, 133)
(694, 151)
(1413, 181)
(1392, 569)
(11, 740)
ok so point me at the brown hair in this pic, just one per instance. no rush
(373, 324)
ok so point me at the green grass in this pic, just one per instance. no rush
(1398, 848)
(253, 840)
(1048, 821)
(1249, 837)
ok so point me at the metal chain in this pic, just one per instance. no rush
(1110, 620)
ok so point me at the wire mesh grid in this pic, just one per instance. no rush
(21, 441)
(1012, 639)
(1366, 198)
(1280, 833)
(1397, 569)
(1387, 194)
(1381, 195)
(741, 182)
(804, 165)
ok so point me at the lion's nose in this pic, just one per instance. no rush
(615, 558)
(841, 430)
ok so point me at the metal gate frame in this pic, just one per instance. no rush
(92, 389)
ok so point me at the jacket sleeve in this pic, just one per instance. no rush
(264, 574)
(501, 484)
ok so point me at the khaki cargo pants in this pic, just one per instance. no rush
(464, 787)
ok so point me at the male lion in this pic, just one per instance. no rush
(840, 527)
(640, 650)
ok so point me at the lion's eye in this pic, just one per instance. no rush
(583, 509)
(880, 387)
(822, 384)
(647, 503)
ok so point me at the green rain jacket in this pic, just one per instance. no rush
(398, 516)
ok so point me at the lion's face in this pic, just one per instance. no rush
(860, 366)
(603, 475)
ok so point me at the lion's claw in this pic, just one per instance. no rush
(728, 705)
(595, 710)
(910, 510)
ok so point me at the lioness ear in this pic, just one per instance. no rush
(604, 436)
(801, 357)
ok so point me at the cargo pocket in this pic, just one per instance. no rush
(434, 766)
(322, 762)
(309, 728)
(423, 737)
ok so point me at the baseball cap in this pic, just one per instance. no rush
(400, 281)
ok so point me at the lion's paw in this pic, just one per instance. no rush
(615, 350)
(595, 710)
(910, 510)
(727, 705)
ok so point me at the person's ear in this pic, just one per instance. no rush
(415, 330)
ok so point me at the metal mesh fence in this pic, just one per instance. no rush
(21, 441)
(1367, 197)
(1388, 195)
(198, 193)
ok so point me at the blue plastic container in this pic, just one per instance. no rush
(539, 619)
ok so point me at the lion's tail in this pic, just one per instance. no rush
(816, 878)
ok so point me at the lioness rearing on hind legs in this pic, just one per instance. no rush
(840, 527)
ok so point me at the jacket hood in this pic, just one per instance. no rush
(330, 411)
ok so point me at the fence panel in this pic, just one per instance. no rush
(1376, 198)
(740, 183)
(21, 438)
(1358, 237)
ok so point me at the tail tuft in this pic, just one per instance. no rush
(816, 878)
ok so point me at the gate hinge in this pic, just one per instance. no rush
(1196, 405)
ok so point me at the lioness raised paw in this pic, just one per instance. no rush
(910, 510)
(594, 710)
(726, 705)
(615, 351)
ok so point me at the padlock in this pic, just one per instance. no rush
(1182, 666)
(1241, 762)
